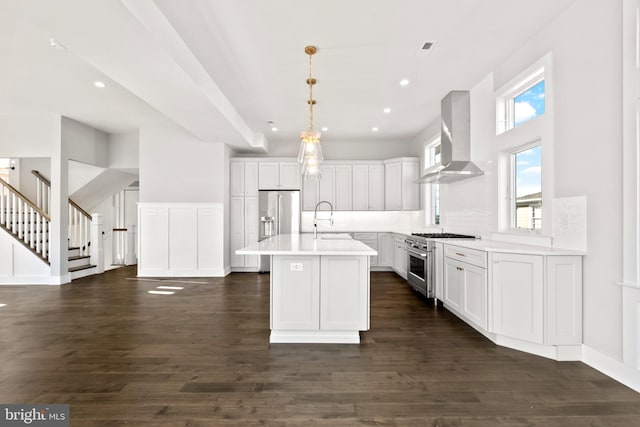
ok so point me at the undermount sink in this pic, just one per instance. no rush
(334, 237)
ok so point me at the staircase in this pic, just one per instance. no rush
(30, 224)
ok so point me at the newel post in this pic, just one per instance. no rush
(97, 242)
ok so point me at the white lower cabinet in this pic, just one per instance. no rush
(518, 289)
(400, 257)
(295, 302)
(371, 240)
(385, 250)
(526, 301)
(465, 290)
(344, 298)
(320, 293)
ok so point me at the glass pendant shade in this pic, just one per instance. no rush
(310, 153)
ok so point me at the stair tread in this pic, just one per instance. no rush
(81, 267)
(73, 258)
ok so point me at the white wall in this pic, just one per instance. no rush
(28, 136)
(586, 157)
(176, 167)
(84, 143)
(345, 150)
(124, 151)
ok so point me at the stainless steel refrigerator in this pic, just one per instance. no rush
(278, 213)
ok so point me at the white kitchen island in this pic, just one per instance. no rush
(319, 287)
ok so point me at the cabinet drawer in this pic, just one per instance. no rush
(365, 236)
(470, 256)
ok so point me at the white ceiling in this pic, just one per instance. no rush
(222, 68)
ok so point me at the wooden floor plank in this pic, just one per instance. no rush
(200, 357)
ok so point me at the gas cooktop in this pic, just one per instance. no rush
(443, 236)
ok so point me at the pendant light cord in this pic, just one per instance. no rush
(310, 82)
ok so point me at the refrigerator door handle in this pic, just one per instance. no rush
(278, 210)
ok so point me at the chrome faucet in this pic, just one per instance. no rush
(315, 217)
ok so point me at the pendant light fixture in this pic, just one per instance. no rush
(310, 154)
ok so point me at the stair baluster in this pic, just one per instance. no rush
(20, 217)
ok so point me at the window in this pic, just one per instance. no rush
(521, 103)
(526, 188)
(432, 157)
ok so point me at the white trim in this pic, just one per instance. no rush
(182, 273)
(314, 337)
(611, 367)
(629, 285)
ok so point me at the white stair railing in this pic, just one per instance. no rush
(79, 219)
(26, 221)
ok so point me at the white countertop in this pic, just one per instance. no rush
(514, 248)
(305, 244)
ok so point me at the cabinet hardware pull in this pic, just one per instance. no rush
(459, 254)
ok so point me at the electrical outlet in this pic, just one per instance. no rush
(296, 266)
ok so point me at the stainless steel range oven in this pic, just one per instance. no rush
(420, 264)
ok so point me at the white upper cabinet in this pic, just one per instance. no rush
(360, 187)
(326, 186)
(401, 191)
(279, 175)
(244, 178)
(344, 188)
(376, 187)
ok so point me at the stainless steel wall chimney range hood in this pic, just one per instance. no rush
(455, 142)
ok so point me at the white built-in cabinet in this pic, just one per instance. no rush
(344, 187)
(400, 256)
(465, 278)
(368, 185)
(243, 213)
(371, 240)
(181, 239)
(278, 175)
(401, 191)
(315, 190)
(537, 298)
(527, 301)
(319, 293)
(385, 250)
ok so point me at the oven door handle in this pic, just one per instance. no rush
(419, 254)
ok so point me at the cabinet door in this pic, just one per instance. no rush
(410, 190)
(475, 295)
(400, 259)
(564, 300)
(343, 188)
(453, 285)
(373, 244)
(326, 184)
(237, 231)
(237, 178)
(295, 292)
(393, 186)
(376, 187)
(360, 187)
(250, 179)
(269, 176)
(517, 288)
(385, 250)
(250, 229)
(289, 176)
(309, 193)
(344, 296)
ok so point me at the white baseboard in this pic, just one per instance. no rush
(314, 337)
(611, 367)
(182, 273)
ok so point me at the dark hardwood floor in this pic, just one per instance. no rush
(200, 357)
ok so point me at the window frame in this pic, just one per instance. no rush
(513, 188)
(505, 102)
(431, 191)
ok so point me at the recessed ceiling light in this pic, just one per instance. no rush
(404, 82)
(374, 129)
(324, 129)
(387, 110)
(274, 129)
(99, 84)
(54, 44)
